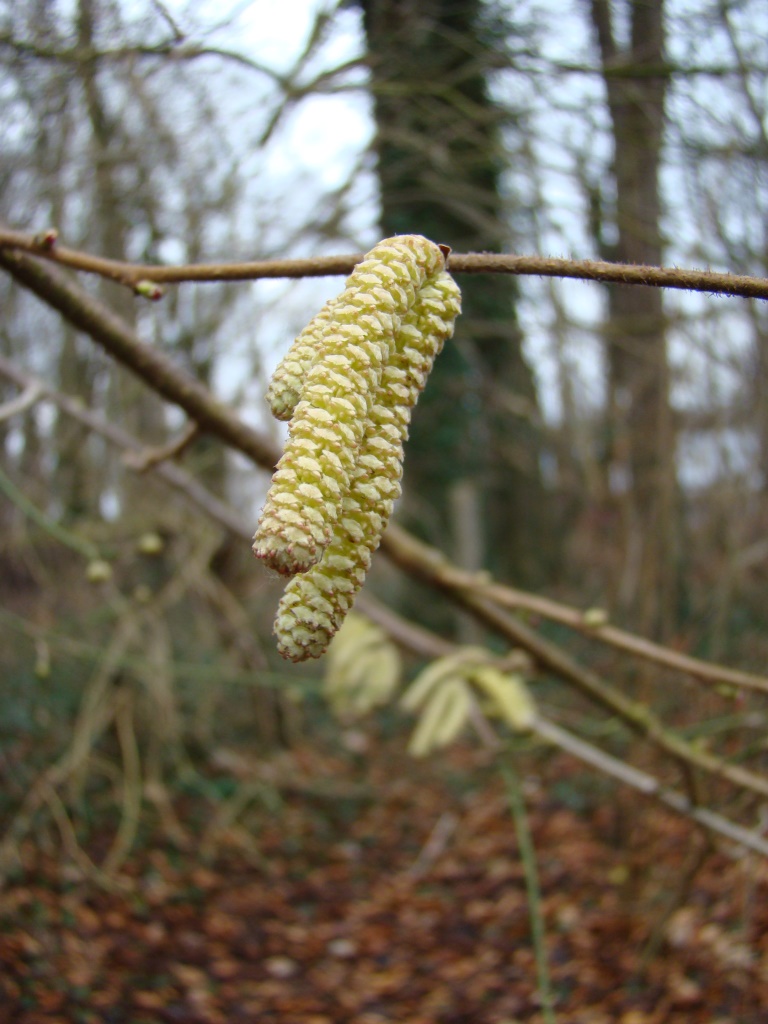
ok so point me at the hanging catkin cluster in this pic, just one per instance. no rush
(348, 385)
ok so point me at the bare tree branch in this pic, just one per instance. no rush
(649, 785)
(140, 277)
(105, 328)
(169, 472)
(173, 50)
(431, 566)
(422, 641)
(21, 403)
(519, 600)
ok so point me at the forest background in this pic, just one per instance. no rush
(592, 457)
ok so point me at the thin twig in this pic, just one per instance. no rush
(482, 585)
(133, 274)
(69, 840)
(110, 332)
(648, 785)
(132, 784)
(533, 889)
(31, 511)
(435, 845)
(169, 472)
(424, 642)
(19, 404)
(150, 457)
(172, 50)
(431, 566)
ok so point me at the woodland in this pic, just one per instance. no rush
(528, 780)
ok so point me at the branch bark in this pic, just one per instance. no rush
(132, 274)
(155, 369)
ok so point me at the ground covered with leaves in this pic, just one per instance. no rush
(397, 894)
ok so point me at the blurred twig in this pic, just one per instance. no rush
(428, 645)
(528, 858)
(31, 511)
(20, 404)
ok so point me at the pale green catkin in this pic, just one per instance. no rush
(353, 347)
(288, 379)
(315, 603)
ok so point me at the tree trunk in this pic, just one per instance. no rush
(131, 403)
(439, 150)
(640, 428)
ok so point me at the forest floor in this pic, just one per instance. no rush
(396, 894)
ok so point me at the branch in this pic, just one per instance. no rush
(427, 644)
(141, 277)
(169, 472)
(142, 461)
(70, 540)
(429, 565)
(172, 50)
(20, 404)
(417, 558)
(481, 585)
(631, 70)
(648, 784)
(105, 328)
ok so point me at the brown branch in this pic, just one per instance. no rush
(648, 785)
(134, 274)
(105, 328)
(482, 585)
(149, 457)
(710, 281)
(417, 558)
(173, 50)
(20, 404)
(431, 566)
(427, 644)
(169, 472)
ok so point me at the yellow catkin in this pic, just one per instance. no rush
(313, 476)
(288, 379)
(315, 603)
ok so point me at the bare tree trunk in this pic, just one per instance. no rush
(760, 390)
(640, 425)
(440, 157)
(141, 412)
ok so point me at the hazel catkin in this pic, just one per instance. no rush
(348, 385)
(315, 602)
(353, 347)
